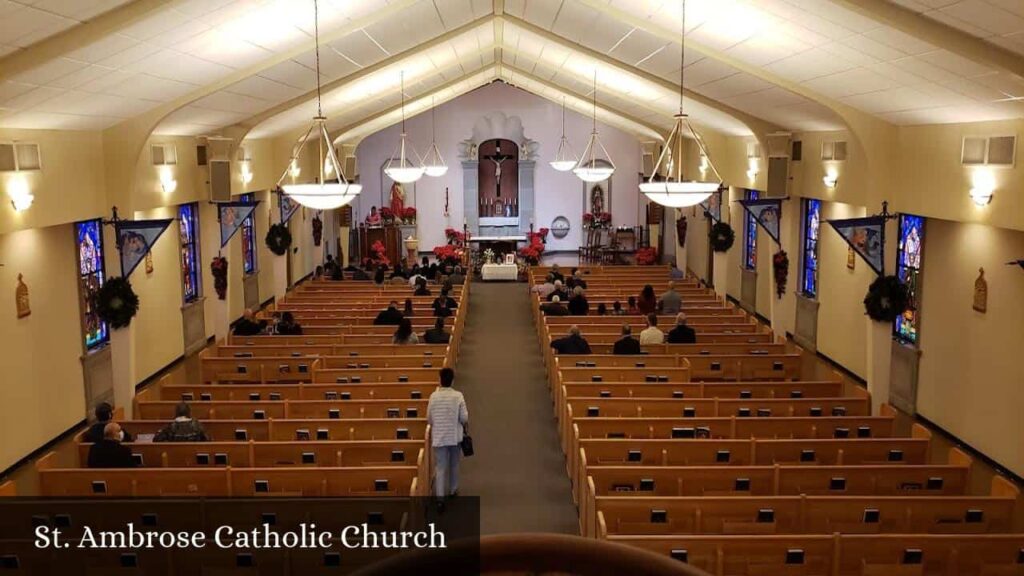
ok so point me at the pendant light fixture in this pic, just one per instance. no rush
(320, 195)
(673, 190)
(405, 168)
(433, 163)
(591, 167)
(565, 158)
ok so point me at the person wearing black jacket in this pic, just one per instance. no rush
(574, 343)
(248, 326)
(437, 334)
(288, 326)
(391, 316)
(109, 452)
(104, 414)
(627, 344)
(444, 305)
(554, 308)
(681, 334)
(578, 304)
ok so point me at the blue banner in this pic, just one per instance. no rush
(231, 216)
(136, 238)
(287, 205)
(768, 214)
(867, 237)
(713, 207)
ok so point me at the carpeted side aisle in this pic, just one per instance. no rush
(518, 469)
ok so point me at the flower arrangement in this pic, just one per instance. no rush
(116, 303)
(534, 250)
(454, 237)
(646, 256)
(448, 254)
(387, 214)
(219, 269)
(489, 256)
(780, 269)
(279, 239)
(409, 215)
(543, 233)
(598, 220)
(379, 254)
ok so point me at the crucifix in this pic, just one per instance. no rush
(497, 158)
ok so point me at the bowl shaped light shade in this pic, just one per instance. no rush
(435, 171)
(678, 194)
(323, 196)
(433, 163)
(562, 165)
(594, 173)
(404, 175)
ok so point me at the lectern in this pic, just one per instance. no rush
(388, 235)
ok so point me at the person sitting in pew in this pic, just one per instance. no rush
(390, 316)
(421, 288)
(415, 274)
(573, 343)
(544, 290)
(457, 277)
(558, 291)
(631, 308)
(671, 302)
(362, 273)
(183, 428)
(248, 326)
(681, 333)
(602, 310)
(337, 273)
(627, 344)
(647, 302)
(554, 308)
(378, 276)
(576, 280)
(104, 415)
(109, 452)
(651, 334)
(674, 272)
(407, 310)
(404, 334)
(437, 334)
(287, 326)
(556, 273)
(443, 303)
(578, 304)
(617, 309)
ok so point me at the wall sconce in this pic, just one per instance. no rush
(246, 173)
(753, 169)
(293, 169)
(831, 179)
(19, 193)
(703, 164)
(167, 181)
(328, 167)
(984, 186)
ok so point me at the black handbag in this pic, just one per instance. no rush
(467, 443)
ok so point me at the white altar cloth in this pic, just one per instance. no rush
(491, 272)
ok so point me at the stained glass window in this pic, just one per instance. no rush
(249, 238)
(750, 236)
(809, 271)
(188, 224)
(89, 240)
(908, 269)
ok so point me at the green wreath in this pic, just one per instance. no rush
(887, 299)
(279, 239)
(721, 237)
(116, 302)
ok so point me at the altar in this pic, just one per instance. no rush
(491, 272)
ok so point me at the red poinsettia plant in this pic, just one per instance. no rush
(387, 214)
(543, 232)
(409, 214)
(534, 250)
(219, 269)
(598, 220)
(379, 254)
(646, 256)
(448, 254)
(454, 237)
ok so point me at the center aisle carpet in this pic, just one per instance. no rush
(518, 470)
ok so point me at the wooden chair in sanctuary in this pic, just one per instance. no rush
(726, 456)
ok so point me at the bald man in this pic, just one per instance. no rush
(109, 452)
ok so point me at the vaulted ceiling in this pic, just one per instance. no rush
(751, 65)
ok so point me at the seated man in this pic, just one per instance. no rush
(681, 333)
(559, 291)
(651, 334)
(287, 326)
(437, 334)
(421, 288)
(578, 304)
(544, 290)
(248, 326)
(457, 277)
(573, 343)
(554, 308)
(109, 452)
(671, 302)
(577, 279)
(391, 316)
(104, 415)
(627, 344)
(183, 428)
(675, 273)
(556, 273)
(445, 301)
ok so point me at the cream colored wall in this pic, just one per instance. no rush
(970, 373)
(42, 389)
(841, 320)
(158, 325)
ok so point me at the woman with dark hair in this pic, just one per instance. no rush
(617, 308)
(421, 288)
(287, 326)
(378, 276)
(408, 308)
(602, 310)
(404, 333)
(648, 302)
(631, 308)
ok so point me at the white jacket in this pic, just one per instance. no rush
(447, 414)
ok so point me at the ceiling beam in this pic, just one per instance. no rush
(81, 35)
(253, 121)
(938, 33)
(756, 125)
(498, 9)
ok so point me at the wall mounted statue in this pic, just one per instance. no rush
(981, 292)
(21, 298)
